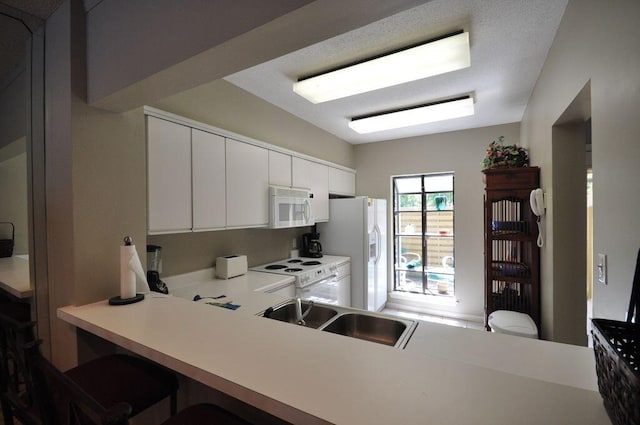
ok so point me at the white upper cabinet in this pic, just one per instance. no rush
(279, 169)
(247, 184)
(314, 176)
(208, 172)
(169, 176)
(203, 178)
(342, 182)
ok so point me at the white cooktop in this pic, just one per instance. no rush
(305, 270)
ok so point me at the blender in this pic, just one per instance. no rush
(154, 268)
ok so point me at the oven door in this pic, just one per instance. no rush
(330, 290)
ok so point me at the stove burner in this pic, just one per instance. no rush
(276, 267)
(311, 263)
(292, 270)
(295, 260)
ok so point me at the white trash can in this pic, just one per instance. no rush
(513, 323)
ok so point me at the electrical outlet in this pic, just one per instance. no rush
(602, 268)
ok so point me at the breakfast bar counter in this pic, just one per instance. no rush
(306, 376)
(14, 276)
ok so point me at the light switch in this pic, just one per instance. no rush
(602, 268)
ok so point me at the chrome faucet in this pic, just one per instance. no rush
(299, 314)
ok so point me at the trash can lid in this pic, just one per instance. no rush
(513, 323)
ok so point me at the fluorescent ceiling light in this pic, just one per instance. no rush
(414, 63)
(454, 108)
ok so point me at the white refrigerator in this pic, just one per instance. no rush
(357, 228)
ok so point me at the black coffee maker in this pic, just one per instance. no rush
(154, 268)
(311, 246)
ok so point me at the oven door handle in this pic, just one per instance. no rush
(320, 282)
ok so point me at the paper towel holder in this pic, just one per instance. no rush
(124, 301)
(118, 300)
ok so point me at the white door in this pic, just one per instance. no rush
(372, 253)
(380, 207)
(169, 176)
(279, 169)
(247, 184)
(342, 182)
(208, 168)
(314, 176)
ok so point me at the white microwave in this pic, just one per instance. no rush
(289, 207)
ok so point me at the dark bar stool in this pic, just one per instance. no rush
(117, 377)
(107, 380)
(205, 413)
(63, 402)
(16, 310)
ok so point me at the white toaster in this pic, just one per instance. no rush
(231, 266)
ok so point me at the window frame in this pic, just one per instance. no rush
(434, 278)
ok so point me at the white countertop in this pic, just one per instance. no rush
(14, 276)
(309, 376)
(182, 285)
(548, 361)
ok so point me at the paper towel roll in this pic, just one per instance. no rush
(130, 268)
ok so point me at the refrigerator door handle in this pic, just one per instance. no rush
(376, 229)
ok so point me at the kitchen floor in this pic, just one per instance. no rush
(435, 319)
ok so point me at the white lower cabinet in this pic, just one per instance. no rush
(208, 180)
(314, 176)
(169, 176)
(247, 184)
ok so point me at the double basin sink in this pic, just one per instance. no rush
(345, 321)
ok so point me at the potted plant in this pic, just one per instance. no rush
(500, 155)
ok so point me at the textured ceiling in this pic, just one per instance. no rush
(509, 44)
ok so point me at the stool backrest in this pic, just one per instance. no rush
(15, 385)
(61, 401)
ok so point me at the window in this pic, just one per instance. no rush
(423, 234)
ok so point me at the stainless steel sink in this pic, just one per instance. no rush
(368, 327)
(317, 316)
(351, 322)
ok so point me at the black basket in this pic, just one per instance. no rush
(616, 346)
(6, 245)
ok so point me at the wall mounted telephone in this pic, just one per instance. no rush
(536, 201)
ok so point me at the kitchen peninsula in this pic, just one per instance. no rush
(308, 376)
(14, 276)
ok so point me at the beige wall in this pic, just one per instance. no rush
(96, 185)
(109, 196)
(568, 297)
(461, 152)
(224, 105)
(13, 193)
(595, 43)
(187, 252)
(58, 290)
